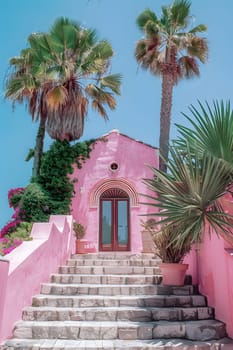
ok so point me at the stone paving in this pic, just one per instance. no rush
(114, 301)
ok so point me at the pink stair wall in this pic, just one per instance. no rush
(30, 264)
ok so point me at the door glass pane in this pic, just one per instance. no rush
(122, 222)
(106, 222)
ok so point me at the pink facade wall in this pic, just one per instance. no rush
(132, 157)
(30, 264)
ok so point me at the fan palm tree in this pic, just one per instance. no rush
(25, 86)
(171, 50)
(77, 65)
(68, 67)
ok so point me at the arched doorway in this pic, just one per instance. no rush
(114, 220)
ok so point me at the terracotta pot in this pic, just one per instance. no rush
(173, 274)
(83, 246)
(80, 246)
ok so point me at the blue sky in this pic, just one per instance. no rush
(137, 113)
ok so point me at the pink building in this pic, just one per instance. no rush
(108, 192)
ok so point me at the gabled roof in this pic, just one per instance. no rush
(130, 138)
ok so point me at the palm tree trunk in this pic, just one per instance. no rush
(165, 118)
(39, 148)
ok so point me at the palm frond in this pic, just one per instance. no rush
(100, 109)
(56, 97)
(200, 28)
(211, 130)
(179, 11)
(113, 82)
(144, 17)
(188, 67)
(188, 195)
(197, 47)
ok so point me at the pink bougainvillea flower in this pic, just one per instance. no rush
(9, 227)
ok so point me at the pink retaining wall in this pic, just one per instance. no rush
(211, 267)
(215, 275)
(96, 176)
(30, 264)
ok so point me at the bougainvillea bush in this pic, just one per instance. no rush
(14, 236)
(48, 193)
(16, 231)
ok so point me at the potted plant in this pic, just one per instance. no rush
(79, 232)
(172, 267)
(188, 199)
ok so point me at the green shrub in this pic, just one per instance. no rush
(34, 204)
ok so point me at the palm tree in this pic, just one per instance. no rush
(76, 64)
(171, 50)
(68, 67)
(25, 86)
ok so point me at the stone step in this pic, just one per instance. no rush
(97, 289)
(114, 256)
(191, 330)
(119, 301)
(155, 344)
(109, 270)
(135, 314)
(105, 279)
(117, 289)
(113, 262)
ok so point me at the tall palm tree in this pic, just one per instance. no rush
(25, 86)
(171, 50)
(68, 67)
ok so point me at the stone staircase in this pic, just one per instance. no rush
(116, 301)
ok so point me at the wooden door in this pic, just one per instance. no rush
(114, 221)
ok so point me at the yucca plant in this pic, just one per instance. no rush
(188, 196)
(166, 246)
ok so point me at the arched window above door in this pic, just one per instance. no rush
(121, 184)
(114, 193)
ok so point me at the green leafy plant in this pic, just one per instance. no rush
(79, 230)
(34, 204)
(54, 179)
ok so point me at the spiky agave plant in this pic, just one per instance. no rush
(188, 196)
(210, 130)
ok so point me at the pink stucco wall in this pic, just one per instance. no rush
(215, 275)
(30, 264)
(211, 265)
(132, 157)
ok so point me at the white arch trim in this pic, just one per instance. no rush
(104, 185)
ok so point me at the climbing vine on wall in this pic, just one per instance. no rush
(51, 192)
